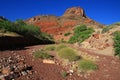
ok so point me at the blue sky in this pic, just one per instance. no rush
(103, 11)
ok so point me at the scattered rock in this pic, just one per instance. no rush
(71, 72)
(6, 70)
(1, 77)
(85, 76)
(24, 73)
(97, 57)
(98, 41)
(48, 61)
(13, 67)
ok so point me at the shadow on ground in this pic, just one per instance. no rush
(18, 43)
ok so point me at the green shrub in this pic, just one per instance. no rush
(86, 65)
(68, 53)
(64, 74)
(67, 34)
(61, 46)
(6, 25)
(117, 43)
(80, 34)
(47, 36)
(80, 28)
(50, 48)
(25, 29)
(42, 54)
(117, 23)
(20, 27)
(106, 29)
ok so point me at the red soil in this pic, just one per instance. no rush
(108, 67)
(56, 29)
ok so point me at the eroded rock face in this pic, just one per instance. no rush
(75, 11)
(99, 41)
(58, 26)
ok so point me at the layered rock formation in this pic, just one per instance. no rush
(58, 26)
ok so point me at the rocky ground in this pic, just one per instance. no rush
(21, 65)
(108, 66)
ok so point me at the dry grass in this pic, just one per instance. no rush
(7, 33)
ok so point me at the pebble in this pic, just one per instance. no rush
(24, 73)
(71, 72)
(13, 67)
(1, 77)
(97, 57)
(6, 70)
(85, 76)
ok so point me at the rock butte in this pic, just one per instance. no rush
(58, 26)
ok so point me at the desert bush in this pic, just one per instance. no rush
(6, 25)
(47, 36)
(118, 23)
(68, 53)
(117, 43)
(42, 54)
(20, 27)
(86, 65)
(25, 29)
(106, 29)
(59, 47)
(80, 34)
(50, 48)
(67, 34)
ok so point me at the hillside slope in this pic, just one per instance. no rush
(18, 33)
(102, 42)
(58, 26)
